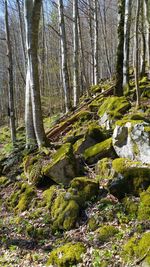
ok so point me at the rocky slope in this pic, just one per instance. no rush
(85, 200)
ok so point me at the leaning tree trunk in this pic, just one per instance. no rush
(127, 26)
(32, 18)
(11, 108)
(120, 55)
(76, 89)
(64, 67)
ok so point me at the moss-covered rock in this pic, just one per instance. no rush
(103, 169)
(131, 206)
(64, 212)
(131, 139)
(112, 109)
(99, 151)
(106, 232)
(144, 207)
(137, 249)
(62, 168)
(21, 199)
(86, 189)
(129, 177)
(49, 195)
(67, 255)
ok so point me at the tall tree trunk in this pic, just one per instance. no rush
(32, 19)
(143, 43)
(76, 89)
(10, 78)
(136, 70)
(127, 26)
(120, 55)
(96, 72)
(64, 67)
(90, 15)
(147, 16)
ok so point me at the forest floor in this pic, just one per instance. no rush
(26, 238)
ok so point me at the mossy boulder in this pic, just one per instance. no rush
(131, 139)
(49, 195)
(144, 206)
(106, 232)
(86, 189)
(131, 205)
(103, 169)
(62, 167)
(67, 255)
(21, 199)
(137, 249)
(112, 109)
(99, 151)
(64, 212)
(129, 177)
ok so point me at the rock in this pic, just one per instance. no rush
(131, 204)
(137, 248)
(128, 177)
(132, 140)
(144, 206)
(99, 151)
(67, 255)
(62, 168)
(111, 110)
(103, 169)
(64, 212)
(86, 189)
(106, 232)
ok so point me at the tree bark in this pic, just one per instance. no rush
(76, 89)
(96, 72)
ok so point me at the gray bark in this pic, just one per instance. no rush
(96, 74)
(76, 89)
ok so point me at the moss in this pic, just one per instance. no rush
(87, 189)
(92, 224)
(27, 194)
(64, 213)
(103, 168)
(106, 232)
(96, 88)
(49, 195)
(131, 206)
(114, 106)
(4, 181)
(100, 149)
(67, 255)
(144, 207)
(137, 248)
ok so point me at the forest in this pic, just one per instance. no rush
(75, 133)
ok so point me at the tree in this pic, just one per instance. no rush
(96, 74)
(33, 113)
(120, 49)
(76, 89)
(11, 106)
(64, 67)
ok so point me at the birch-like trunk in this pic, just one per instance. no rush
(147, 20)
(10, 78)
(127, 26)
(143, 43)
(63, 46)
(76, 89)
(96, 75)
(32, 19)
(136, 69)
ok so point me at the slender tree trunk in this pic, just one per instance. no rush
(96, 72)
(90, 15)
(147, 17)
(76, 89)
(10, 78)
(32, 18)
(136, 70)
(120, 55)
(64, 67)
(127, 26)
(143, 43)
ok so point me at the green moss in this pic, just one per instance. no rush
(137, 248)
(131, 206)
(114, 106)
(92, 224)
(100, 148)
(4, 181)
(64, 213)
(49, 195)
(70, 255)
(106, 232)
(61, 153)
(96, 88)
(103, 169)
(87, 189)
(27, 194)
(144, 207)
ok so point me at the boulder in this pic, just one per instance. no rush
(112, 109)
(99, 151)
(144, 206)
(131, 140)
(62, 167)
(128, 177)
